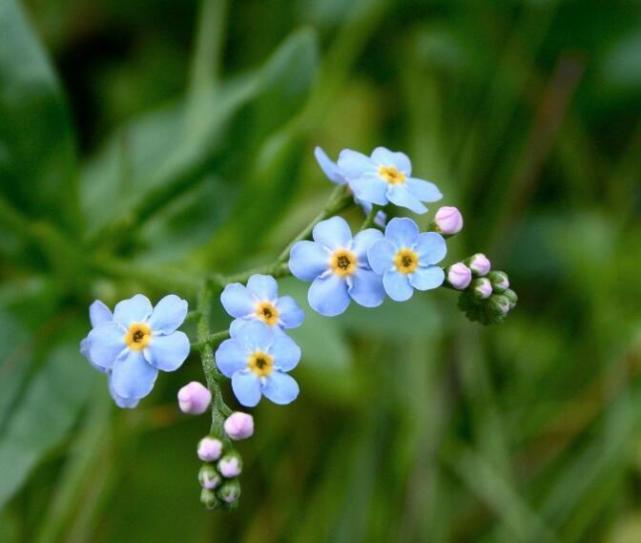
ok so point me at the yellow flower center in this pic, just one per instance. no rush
(267, 312)
(391, 174)
(138, 336)
(343, 262)
(406, 260)
(261, 363)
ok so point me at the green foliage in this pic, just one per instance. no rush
(195, 126)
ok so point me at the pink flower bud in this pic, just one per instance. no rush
(194, 398)
(482, 288)
(480, 264)
(239, 426)
(208, 478)
(449, 220)
(459, 276)
(230, 465)
(209, 449)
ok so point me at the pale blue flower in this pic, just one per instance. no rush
(257, 360)
(135, 342)
(406, 259)
(337, 265)
(385, 177)
(259, 300)
(336, 176)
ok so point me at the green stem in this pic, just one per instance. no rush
(211, 339)
(371, 217)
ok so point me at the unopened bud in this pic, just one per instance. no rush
(209, 449)
(512, 297)
(229, 492)
(208, 498)
(208, 477)
(499, 304)
(482, 288)
(480, 264)
(499, 280)
(230, 465)
(239, 425)
(194, 398)
(459, 276)
(448, 220)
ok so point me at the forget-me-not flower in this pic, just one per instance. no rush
(336, 176)
(337, 264)
(259, 300)
(406, 259)
(385, 177)
(257, 359)
(135, 342)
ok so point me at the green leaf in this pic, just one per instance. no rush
(37, 154)
(44, 415)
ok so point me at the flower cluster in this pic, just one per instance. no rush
(486, 296)
(259, 354)
(389, 256)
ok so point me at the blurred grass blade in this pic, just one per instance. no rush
(37, 150)
(44, 415)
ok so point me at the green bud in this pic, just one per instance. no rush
(499, 305)
(512, 297)
(208, 498)
(500, 281)
(208, 477)
(481, 288)
(229, 492)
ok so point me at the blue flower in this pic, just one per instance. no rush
(386, 177)
(336, 176)
(338, 267)
(134, 342)
(259, 300)
(257, 359)
(406, 259)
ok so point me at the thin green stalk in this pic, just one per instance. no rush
(211, 339)
(371, 217)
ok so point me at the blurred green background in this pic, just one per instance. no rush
(143, 144)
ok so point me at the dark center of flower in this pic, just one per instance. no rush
(267, 312)
(406, 261)
(391, 174)
(343, 262)
(260, 363)
(138, 336)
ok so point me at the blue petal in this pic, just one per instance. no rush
(99, 313)
(128, 403)
(308, 260)
(291, 314)
(332, 233)
(104, 344)
(169, 314)
(285, 351)
(135, 309)
(237, 300)
(403, 232)
(252, 334)
(397, 286)
(370, 188)
(425, 191)
(328, 295)
(132, 377)
(167, 353)
(84, 351)
(431, 248)
(280, 388)
(385, 157)
(363, 241)
(264, 287)
(427, 278)
(367, 288)
(330, 169)
(381, 256)
(401, 196)
(354, 164)
(231, 356)
(246, 387)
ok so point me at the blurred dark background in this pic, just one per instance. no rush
(144, 144)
